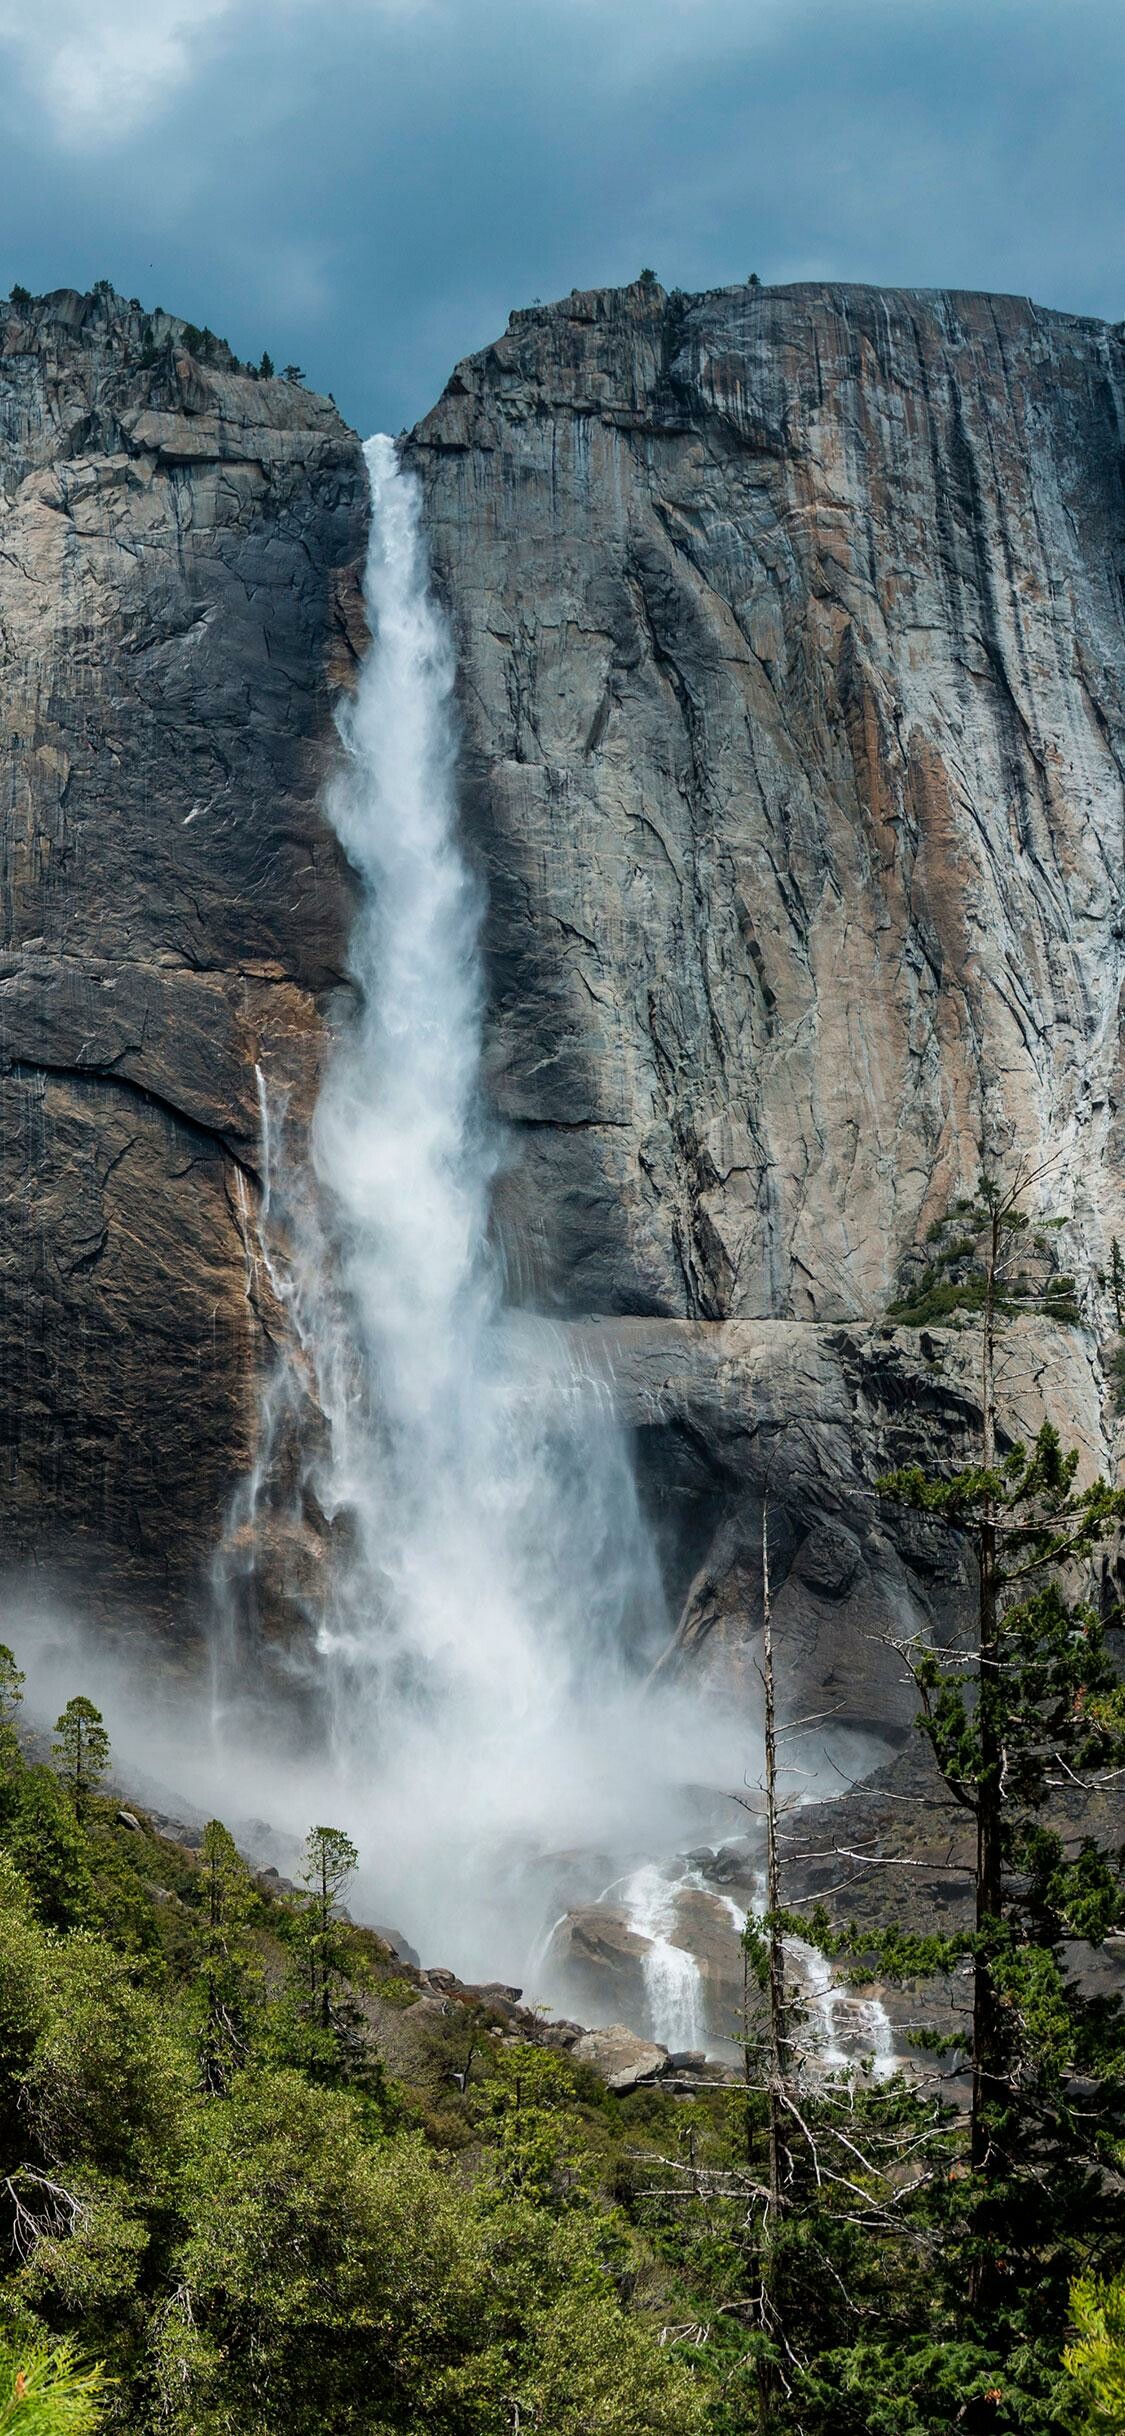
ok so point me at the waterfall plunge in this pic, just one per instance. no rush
(496, 1601)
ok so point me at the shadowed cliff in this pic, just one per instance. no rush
(177, 546)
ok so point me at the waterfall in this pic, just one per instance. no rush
(850, 2030)
(494, 1602)
(672, 1978)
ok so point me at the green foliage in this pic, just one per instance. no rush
(1115, 1371)
(19, 296)
(395, 1991)
(326, 2283)
(1051, 1675)
(11, 1693)
(228, 1973)
(208, 2181)
(46, 1843)
(265, 368)
(949, 1281)
(11, 1686)
(81, 1749)
(1096, 2359)
(1117, 1281)
(646, 278)
(330, 1862)
(530, 2117)
(45, 2390)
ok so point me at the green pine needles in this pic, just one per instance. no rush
(46, 2391)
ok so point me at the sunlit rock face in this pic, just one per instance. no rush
(177, 602)
(791, 634)
(792, 655)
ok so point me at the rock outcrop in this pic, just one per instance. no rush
(791, 638)
(178, 545)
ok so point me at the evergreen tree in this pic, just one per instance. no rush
(50, 1850)
(11, 1693)
(1024, 1724)
(227, 1971)
(46, 2391)
(1096, 2359)
(331, 1860)
(81, 1749)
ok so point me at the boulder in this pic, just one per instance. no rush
(622, 2060)
(597, 1960)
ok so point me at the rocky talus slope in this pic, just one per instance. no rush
(177, 599)
(790, 624)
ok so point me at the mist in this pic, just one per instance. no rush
(480, 1659)
(470, 1688)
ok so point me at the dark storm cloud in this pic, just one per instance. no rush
(367, 186)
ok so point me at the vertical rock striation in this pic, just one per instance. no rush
(791, 633)
(791, 627)
(177, 600)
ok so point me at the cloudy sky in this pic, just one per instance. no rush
(366, 187)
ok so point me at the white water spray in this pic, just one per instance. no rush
(495, 1601)
(672, 1977)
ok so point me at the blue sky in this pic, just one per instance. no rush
(366, 187)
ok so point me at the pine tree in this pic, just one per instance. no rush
(227, 1970)
(1025, 1720)
(330, 1861)
(81, 1750)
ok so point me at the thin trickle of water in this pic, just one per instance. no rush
(493, 1604)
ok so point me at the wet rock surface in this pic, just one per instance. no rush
(600, 1958)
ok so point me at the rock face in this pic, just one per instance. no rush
(790, 628)
(177, 601)
(791, 633)
(792, 657)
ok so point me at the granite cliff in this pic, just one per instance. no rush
(790, 629)
(177, 551)
(790, 633)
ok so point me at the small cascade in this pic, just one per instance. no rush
(825, 2001)
(853, 2030)
(672, 1977)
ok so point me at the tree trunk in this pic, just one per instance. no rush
(779, 2059)
(987, 2059)
(778, 2038)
